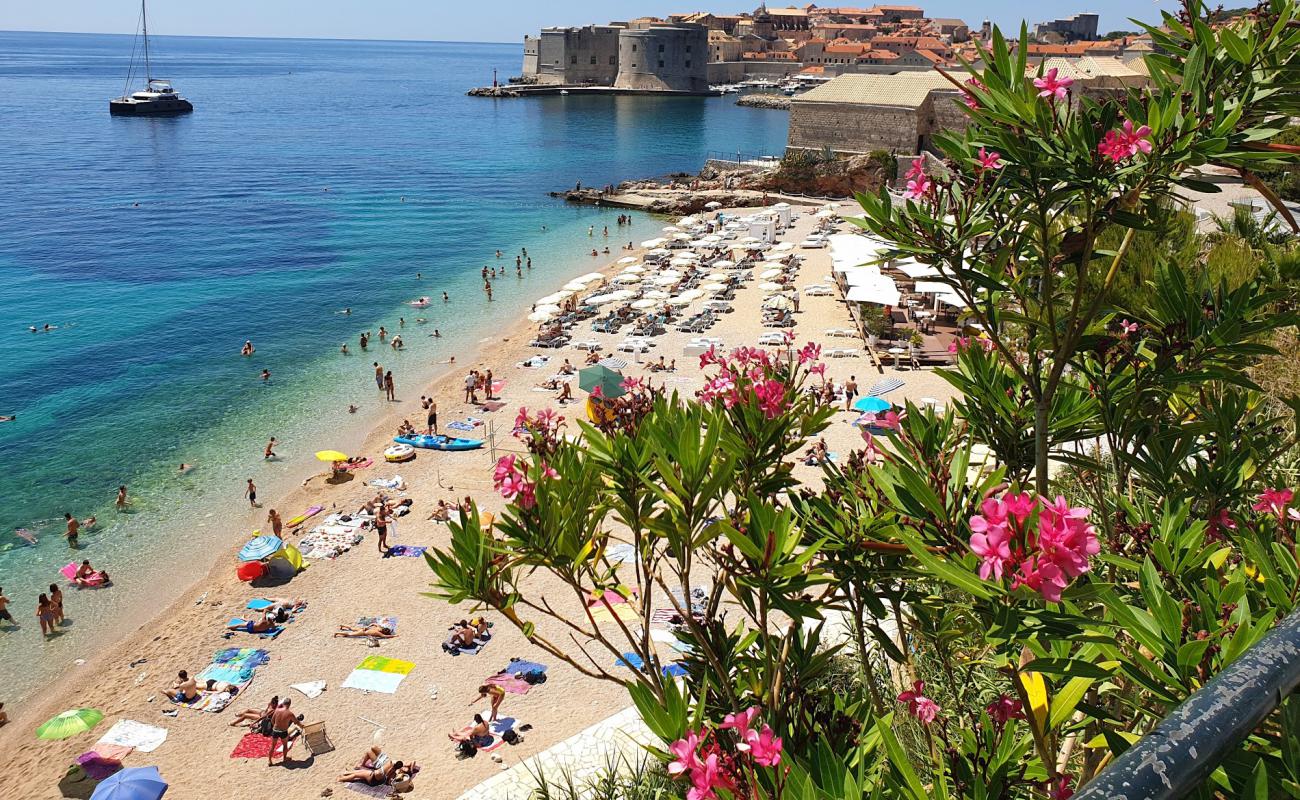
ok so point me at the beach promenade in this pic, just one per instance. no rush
(438, 693)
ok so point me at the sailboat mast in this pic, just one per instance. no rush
(144, 22)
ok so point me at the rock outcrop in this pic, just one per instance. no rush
(777, 102)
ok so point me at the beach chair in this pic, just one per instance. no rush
(316, 739)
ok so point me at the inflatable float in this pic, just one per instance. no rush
(439, 442)
(398, 453)
(423, 302)
(301, 518)
(93, 580)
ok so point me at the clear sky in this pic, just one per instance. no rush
(496, 21)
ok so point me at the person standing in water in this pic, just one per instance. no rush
(389, 389)
(250, 492)
(74, 528)
(56, 603)
(121, 498)
(379, 376)
(273, 519)
(270, 450)
(266, 376)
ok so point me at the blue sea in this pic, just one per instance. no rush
(313, 176)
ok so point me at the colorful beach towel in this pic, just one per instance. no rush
(465, 427)
(253, 745)
(405, 551)
(379, 674)
(330, 541)
(388, 621)
(137, 735)
(634, 661)
(510, 683)
(294, 522)
(623, 611)
(98, 767)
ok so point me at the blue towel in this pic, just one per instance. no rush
(635, 661)
(519, 665)
(259, 604)
(674, 670)
(461, 426)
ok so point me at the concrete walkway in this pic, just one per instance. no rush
(583, 756)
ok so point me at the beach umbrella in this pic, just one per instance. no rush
(712, 288)
(626, 260)
(541, 315)
(777, 301)
(607, 379)
(713, 204)
(331, 455)
(591, 276)
(574, 286)
(133, 783)
(600, 299)
(723, 264)
(679, 300)
(655, 294)
(260, 548)
(642, 305)
(693, 294)
(872, 404)
(716, 276)
(659, 251)
(671, 229)
(613, 362)
(629, 278)
(621, 295)
(665, 280)
(70, 723)
(554, 299)
(635, 269)
(769, 274)
(768, 286)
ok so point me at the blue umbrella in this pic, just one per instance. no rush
(135, 783)
(260, 548)
(873, 404)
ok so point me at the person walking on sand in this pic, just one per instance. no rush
(431, 418)
(381, 525)
(269, 453)
(282, 719)
(121, 498)
(273, 519)
(487, 384)
(379, 376)
(850, 392)
(74, 529)
(250, 492)
(389, 389)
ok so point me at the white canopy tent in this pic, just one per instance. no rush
(882, 292)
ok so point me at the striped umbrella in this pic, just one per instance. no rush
(260, 548)
(884, 387)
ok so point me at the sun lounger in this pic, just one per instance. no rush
(316, 739)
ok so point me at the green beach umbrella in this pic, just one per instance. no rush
(70, 723)
(607, 379)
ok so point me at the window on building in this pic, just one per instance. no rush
(573, 59)
(593, 60)
(688, 48)
(661, 63)
(688, 63)
(633, 48)
(661, 48)
(613, 60)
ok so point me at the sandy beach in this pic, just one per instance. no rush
(438, 695)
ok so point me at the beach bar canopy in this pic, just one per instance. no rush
(879, 293)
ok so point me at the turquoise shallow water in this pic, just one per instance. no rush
(157, 246)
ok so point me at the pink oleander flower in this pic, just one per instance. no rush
(630, 384)
(765, 747)
(918, 188)
(1059, 789)
(1119, 145)
(1052, 87)
(810, 352)
(818, 369)
(918, 705)
(740, 722)
(1042, 576)
(771, 397)
(685, 759)
(1004, 709)
(958, 344)
(548, 420)
(788, 336)
(504, 468)
(991, 540)
(521, 419)
(708, 777)
(547, 471)
(709, 356)
(1274, 501)
(989, 160)
(917, 170)
(1019, 505)
(1219, 522)
(597, 392)
(968, 98)
(1127, 329)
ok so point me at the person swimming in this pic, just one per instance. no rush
(247, 349)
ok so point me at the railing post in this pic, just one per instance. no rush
(1182, 751)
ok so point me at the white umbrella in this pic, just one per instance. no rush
(575, 286)
(629, 278)
(769, 287)
(679, 300)
(712, 288)
(672, 229)
(652, 243)
(693, 294)
(635, 269)
(600, 299)
(591, 276)
(713, 204)
(691, 220)
(622, 294)
(552, 299)
(540, 316)
(784, 246)
(664, 280)
(777, 301)
(645, 303)
(627, 260)
(659, 251)
(670, 273)
(768, 274)
(655, 294)
(723, 264)
(682, 237)
(716, 276)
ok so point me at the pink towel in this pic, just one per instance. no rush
(510, 683)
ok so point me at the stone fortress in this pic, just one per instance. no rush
(642, 55)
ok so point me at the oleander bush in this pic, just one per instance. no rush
(920, 623)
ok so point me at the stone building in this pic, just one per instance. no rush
(663, 57)
(1077, 27)
(858, 114)
(585, 56)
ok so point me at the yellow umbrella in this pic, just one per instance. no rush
(331, 455)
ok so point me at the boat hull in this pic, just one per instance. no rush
(440, 442)
(149, 108)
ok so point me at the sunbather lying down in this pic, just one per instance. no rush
(261, 625)
(374, 630)
(479, 734)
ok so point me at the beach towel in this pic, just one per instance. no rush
(269, 633)
(405, 550)
(635, 661)
(395, 483)
(113, 751)
(623, 611)
(621, 554)
(358, 464)
(312, 689)
(381, 792)
(466, 427)
(663, 616)
(519, 665)
(379, 674)
(389, 622)
(460, 649)
(510, 683)
(330, 541)
(253, 657)
(492, 405)
(137, 735)
(98, 767)
(253, 745)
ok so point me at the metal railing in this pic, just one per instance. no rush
(741, 157)
(1175, 759)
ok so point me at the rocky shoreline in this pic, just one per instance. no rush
(776, 102)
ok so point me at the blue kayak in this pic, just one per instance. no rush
(439, 442)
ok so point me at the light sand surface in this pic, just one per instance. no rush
(413, 723)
